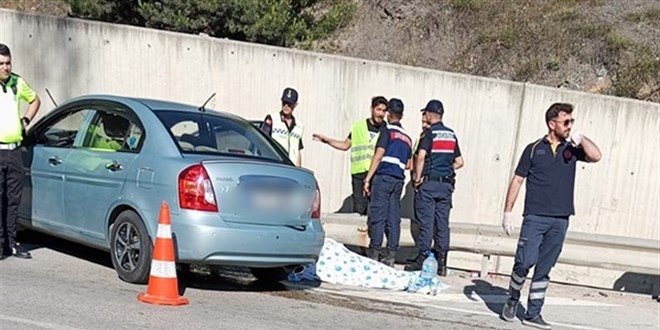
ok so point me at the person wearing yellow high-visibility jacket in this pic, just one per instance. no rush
(362, 143)
(12, 126)
(284, 129)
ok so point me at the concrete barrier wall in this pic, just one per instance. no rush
(494, 119)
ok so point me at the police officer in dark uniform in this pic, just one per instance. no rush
(386, 175)
(438, 156)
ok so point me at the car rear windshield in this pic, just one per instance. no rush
(209, 133)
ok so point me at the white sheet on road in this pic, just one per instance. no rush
(339, 265)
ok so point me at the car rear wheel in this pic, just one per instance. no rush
(271, 274)
(130, 248)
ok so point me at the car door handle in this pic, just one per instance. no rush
(114, 166)
(54, 160)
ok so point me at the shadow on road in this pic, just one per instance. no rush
(33, 240)
(199, 277)
(231, 278)
(493, 296)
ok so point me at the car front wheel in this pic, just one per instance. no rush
(130, 248)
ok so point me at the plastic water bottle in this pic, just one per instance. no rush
(429, 268)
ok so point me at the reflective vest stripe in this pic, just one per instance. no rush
(289, 140)
(395, 161)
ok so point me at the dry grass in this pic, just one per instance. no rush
(531, 40)
(50, 7)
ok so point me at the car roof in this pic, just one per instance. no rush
(155, 104)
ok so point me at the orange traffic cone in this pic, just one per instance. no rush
(163, 288)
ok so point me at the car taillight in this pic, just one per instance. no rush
(196, 190)
(316, 205)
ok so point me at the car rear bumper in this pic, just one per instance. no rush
(246, 245)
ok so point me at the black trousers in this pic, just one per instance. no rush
(11, 187)
(360, 202)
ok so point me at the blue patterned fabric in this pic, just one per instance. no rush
(339, 265)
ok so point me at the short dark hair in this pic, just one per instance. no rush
(4, 50)
(378, 100)
(555, 109)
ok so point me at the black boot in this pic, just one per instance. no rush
(373, 254)
(442, 263)
(417, 263)
(389, 259)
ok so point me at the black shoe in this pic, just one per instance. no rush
(19, 252)
(417, 263)
(373, 254)
(537, 322)
(442, 263)
(509, 310)
(389, 258)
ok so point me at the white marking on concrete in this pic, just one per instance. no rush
(44, 325)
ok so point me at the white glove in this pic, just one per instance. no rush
(576, 138)
(507, 223)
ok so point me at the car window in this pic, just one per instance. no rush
(210, 133)
(62, 131)
(112, 131)
(184, 133)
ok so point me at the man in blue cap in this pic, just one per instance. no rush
(386, 175)
(282, 126)
(438, 156)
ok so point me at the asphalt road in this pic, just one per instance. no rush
(70, 286)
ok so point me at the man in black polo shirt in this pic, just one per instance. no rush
(549, 166)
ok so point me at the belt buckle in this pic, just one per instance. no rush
(9, 146)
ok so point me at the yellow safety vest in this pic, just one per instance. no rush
(362, 148)
(290, 141)
(11, 93)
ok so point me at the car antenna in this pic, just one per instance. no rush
(202, 109)
(51, 97)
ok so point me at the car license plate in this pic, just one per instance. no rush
(269, 201)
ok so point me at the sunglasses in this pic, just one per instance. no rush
(292, 106)
(566, 122)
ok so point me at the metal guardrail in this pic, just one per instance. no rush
(580, 249)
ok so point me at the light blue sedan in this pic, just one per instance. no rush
(98, 168)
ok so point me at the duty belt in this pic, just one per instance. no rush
(9, 146)
(445, 179)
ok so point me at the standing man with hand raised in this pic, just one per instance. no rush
(362, 142)
(548, 164)
(12, 128)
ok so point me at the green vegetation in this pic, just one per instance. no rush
(616, 42)
(639, 77)
(531, 40)
(274, 22)
(649, 15)
(596, 45)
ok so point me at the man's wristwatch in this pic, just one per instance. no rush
(27, 120)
